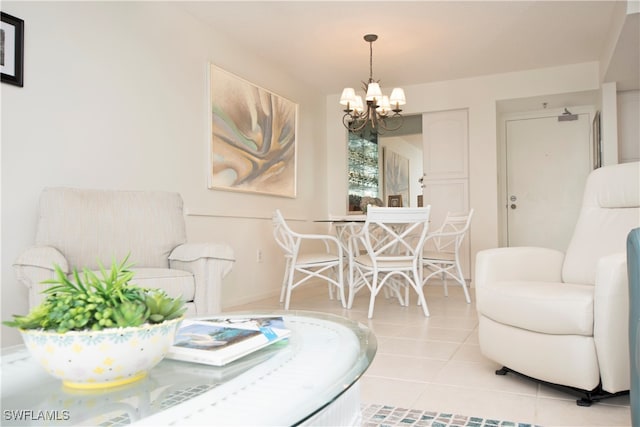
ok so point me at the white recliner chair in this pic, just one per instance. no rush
(77, 228)
(562, 318)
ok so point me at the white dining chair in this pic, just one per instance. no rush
(392, 255)
(304, 262)
(441, 255)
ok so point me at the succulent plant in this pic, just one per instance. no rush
(92, 301)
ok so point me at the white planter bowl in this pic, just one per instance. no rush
(98, 359)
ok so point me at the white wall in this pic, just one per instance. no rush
(479, 95)
(115, 96)
(628, 106)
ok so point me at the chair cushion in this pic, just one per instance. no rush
(89, 225)
(440, 256)
(366, 261)
(316, 258)
(544, 307)
(174, 282)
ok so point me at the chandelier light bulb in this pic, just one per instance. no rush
(348, 96)
(374, 93)
(384, 106)
(358, 105)
(397, 97)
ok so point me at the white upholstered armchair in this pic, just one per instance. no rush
(562, 318)
(79, 227)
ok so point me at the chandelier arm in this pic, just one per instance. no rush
(353, 124)
(398, 116)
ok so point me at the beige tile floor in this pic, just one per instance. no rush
(435, 363)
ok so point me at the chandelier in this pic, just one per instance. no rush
(378, 107)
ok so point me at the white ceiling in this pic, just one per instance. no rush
(321, 42)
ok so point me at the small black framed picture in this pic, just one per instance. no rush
(394, 201)
(12, 49)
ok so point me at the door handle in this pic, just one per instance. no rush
(513, 206)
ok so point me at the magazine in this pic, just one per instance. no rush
(219, 341)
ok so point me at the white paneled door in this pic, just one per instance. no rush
(446, 169)
(547, 164)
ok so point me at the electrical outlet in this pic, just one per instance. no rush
(259, 255)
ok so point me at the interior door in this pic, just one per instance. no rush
(446, 170)
(547, 164)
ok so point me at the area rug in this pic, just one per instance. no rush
(374, 415)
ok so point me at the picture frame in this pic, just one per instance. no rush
(253, 146)
(394, 201)
(396, 174)
(12, 50)
(597, 142)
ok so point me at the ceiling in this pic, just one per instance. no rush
(321, 42)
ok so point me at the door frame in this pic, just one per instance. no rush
(502, 154)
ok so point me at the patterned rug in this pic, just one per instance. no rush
(390, 416)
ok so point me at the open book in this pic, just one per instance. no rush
(219, 341)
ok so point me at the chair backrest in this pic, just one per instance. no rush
(88, 226)
(449, 236)
(283, 235)
(395, 234)
(610, 209)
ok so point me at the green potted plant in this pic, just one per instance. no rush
(97, 330)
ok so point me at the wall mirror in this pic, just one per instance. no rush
(386, 166)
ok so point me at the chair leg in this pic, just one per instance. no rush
(417, 284)
(444, 283)
(463, 283)
(289, 288)
(374, 292)
(341, 287)
(285, 279)
(460, 279)
(329, 284)
(352, 286)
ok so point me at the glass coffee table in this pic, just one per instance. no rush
(311, 378)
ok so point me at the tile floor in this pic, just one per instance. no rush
(435, 363)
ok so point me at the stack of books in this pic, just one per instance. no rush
(219, 341)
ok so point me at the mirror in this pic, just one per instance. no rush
(386, 166)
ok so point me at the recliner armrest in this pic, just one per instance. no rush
(35, 265)
(209, 263)
(42, 257)
(611, 321)
(518, 263)
(194, 251)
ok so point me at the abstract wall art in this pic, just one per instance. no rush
(253, 137)
(396, 175)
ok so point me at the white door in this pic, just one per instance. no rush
(547, 165)
(446, 172)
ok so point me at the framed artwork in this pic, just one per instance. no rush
(396, 175)
(253, 137)
(394, 201)
(12, 49)
(597, 142)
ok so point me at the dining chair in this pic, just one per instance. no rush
(311, 263)
(442, 250)
(391, 256)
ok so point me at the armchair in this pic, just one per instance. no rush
(562, 318)
(79, 227)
